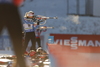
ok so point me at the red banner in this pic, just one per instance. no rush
(75, 50)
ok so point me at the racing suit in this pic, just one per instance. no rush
(38, 34)
(29, 30)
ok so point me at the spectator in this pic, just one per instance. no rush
(10, 18)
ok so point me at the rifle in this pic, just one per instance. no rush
(45, 27)
(44, 17)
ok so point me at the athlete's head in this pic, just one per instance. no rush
(29, 14)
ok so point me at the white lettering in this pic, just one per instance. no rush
(82, 43)
(61, 42)
(97, 43)
(74, 43)
(56, 42)
(74, 46)
(67, 42)
(90, 43)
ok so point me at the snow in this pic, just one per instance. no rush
(65, 24)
